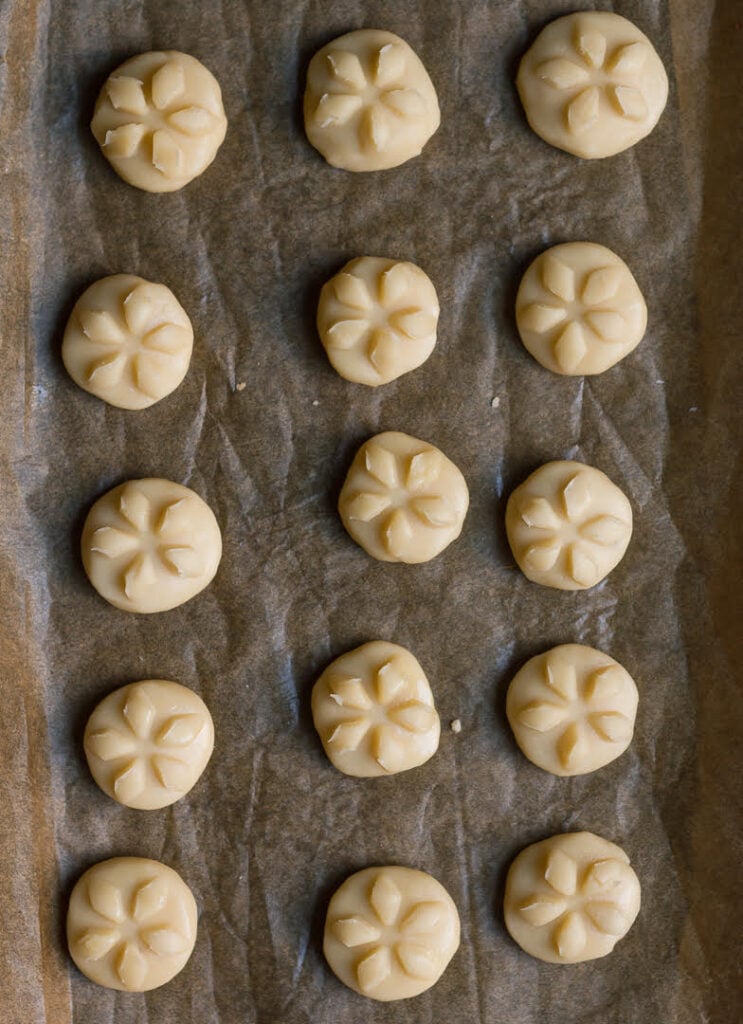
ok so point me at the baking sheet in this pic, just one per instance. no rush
(271, 829)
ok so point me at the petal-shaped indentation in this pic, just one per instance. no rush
(109, 541)
(171, 339)
(384, 348)
(629, 58)
(605, 683)
(150, 897)
(101, 326)
(629, 102)
(94, 943)
(355, 931)
(388, 750)
(540, 318)
(106, 899)
(346, 736)
(582, 567)
(164, 941)
(422, 918)
(139, 309)
(611, 726)
(375, 128)
(561, 677)
(541, 557)
(435, 511)
(365, 507)
(139, 711)
(346, 67)
(374, 969)
(397, 533)
(180, 730)
(350, 693)
(607, 917)
(404, 102)
(394, 283)
(576, 495)
(601, 284)
(172, 773)
(151, 372)
(604, 876)
(414, 323)
(570, 937)
(167, 84)
(109, 744)
(605, 530)
(139, 576)
(571, 746)
(415, 716)
(352, 291)
(389, 65)
(127, 94)
(385, 899)
(591, 45)
(193, 121)
(389, 682)
(131, 967)
(381, 463)
(124, 141)
(167, 155)
(416, 960)
(558, 278)
(562, 73)
(183, 561)
(336, 108)
(108, 371)
(541, 715)
(570, 347)
(584, 110)
(538, 512)
(174, 520)
(542, 909)
(424, 469)
(129, 781)
(344, 334)
(607, 324)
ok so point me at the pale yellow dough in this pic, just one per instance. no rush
(150, 545)
(390, 932)
(592, 84)
(148, 743)
(403, 500)
(128, 341)
(374, 712)
(571, 898)
(131, 924)
(579, 310)
(568, 525)
(377, 319)
(159, 120)
(572, 709)
(369, 103)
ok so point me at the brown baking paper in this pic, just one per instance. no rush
(264, 430)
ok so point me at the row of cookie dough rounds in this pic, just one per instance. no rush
(591, 84)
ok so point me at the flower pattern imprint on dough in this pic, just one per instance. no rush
(359, 326)
(572, 905)
(141, 745)
(376, 98)
(163, 122)
(141, 344)
(387, 941)
(597, 531)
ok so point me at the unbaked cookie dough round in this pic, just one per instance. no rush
(592, 84)
(568, 525)
(579, 310)
(374, 712)
(571, 898)
(128, 341)
(377, 319)
(572, 709)
(148, 743)
(150, 545)
(369, 102)
(403, 500)
(390, 932)
(131, 924)
(159, 120)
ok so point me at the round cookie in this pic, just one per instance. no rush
(159, 120)
(579, 310)
(377, 319)
(148, 743)
(150, 545)
(369, 103)
(390, 932)
(570, 898)
(128, 341)
(572, 709)
(403, 500)
(131, 924)
(568, 525)
(592, 84)
(374, 712)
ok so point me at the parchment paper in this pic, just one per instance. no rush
(272, 828)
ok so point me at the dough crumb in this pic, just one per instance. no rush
(495, 402)
(456, 725)
(241, 386)
(316, 402)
